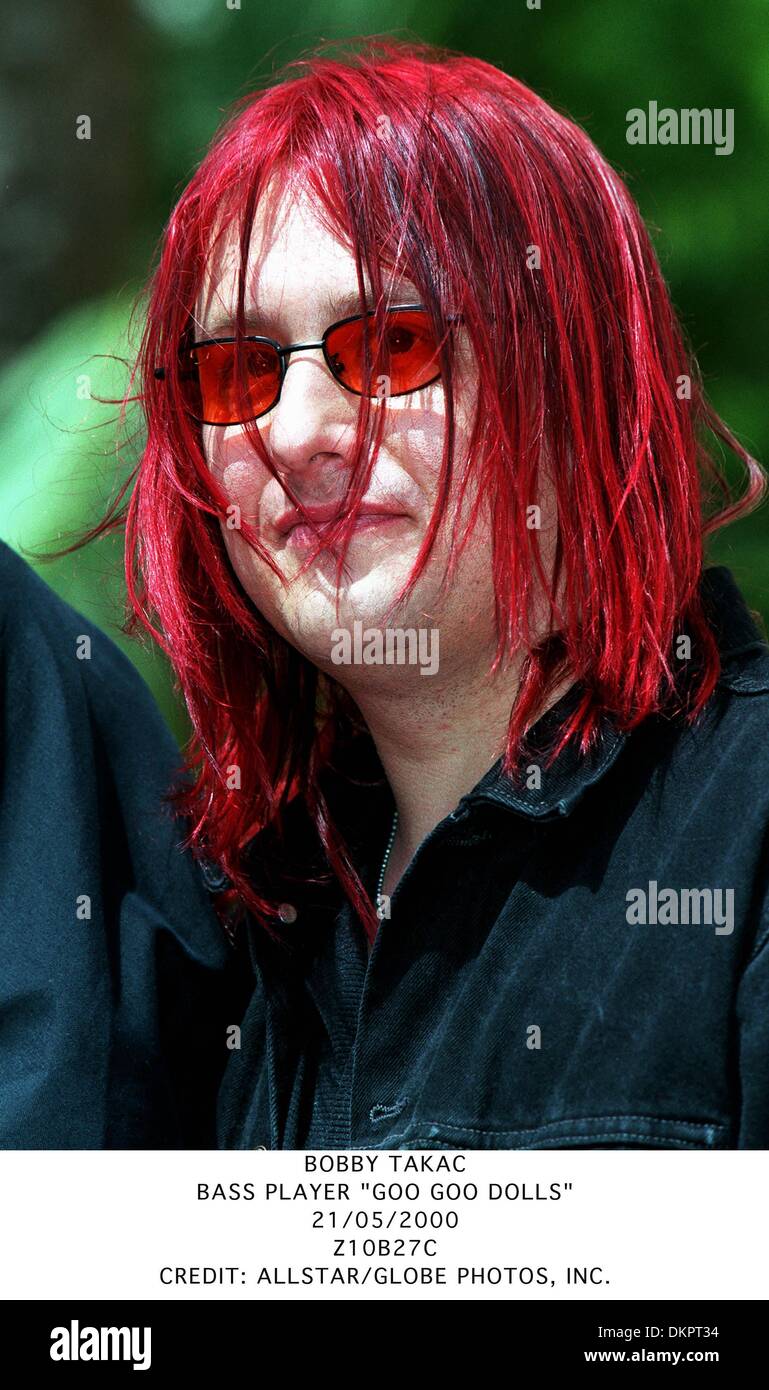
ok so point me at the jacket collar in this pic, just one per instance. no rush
(742, 645)
(745, 668)
(555, 790)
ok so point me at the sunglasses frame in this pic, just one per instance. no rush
(284, 352)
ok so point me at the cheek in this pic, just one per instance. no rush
(240, 480)
(256, 579)
(234, 463)
(417, 437)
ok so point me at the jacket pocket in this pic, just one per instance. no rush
(587, 1132)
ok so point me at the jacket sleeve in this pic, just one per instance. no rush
(117, 983)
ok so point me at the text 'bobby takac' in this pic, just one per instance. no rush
(76, 1343)
(389, 646)
(681, 906)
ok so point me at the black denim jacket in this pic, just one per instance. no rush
(582, 963)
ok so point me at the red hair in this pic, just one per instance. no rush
(500, 208)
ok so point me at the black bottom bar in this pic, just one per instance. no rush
(218, 1339)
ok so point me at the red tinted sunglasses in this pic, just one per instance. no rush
(221, 385)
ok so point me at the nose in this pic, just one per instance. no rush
(314, 417)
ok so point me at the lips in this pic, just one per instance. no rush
(330, 512)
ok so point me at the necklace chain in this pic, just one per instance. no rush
(386, 859)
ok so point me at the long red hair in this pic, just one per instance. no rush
(501, 209)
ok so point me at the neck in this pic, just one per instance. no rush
(435, 742)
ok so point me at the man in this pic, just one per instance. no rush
(117, 985)
(480, 784)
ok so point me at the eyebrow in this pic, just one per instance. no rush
(341, 305)
(335, 307)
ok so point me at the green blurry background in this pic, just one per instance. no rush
(81, 219)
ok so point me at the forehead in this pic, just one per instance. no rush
(299, 270)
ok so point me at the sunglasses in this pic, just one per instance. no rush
(223, 383)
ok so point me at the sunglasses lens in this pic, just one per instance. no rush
(405, 353)
(223, 386)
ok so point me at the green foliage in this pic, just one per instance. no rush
(61, 467)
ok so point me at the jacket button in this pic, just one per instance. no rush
(287, 912)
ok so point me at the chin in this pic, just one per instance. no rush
(311, 609)
(312, 620)
(367, 589)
